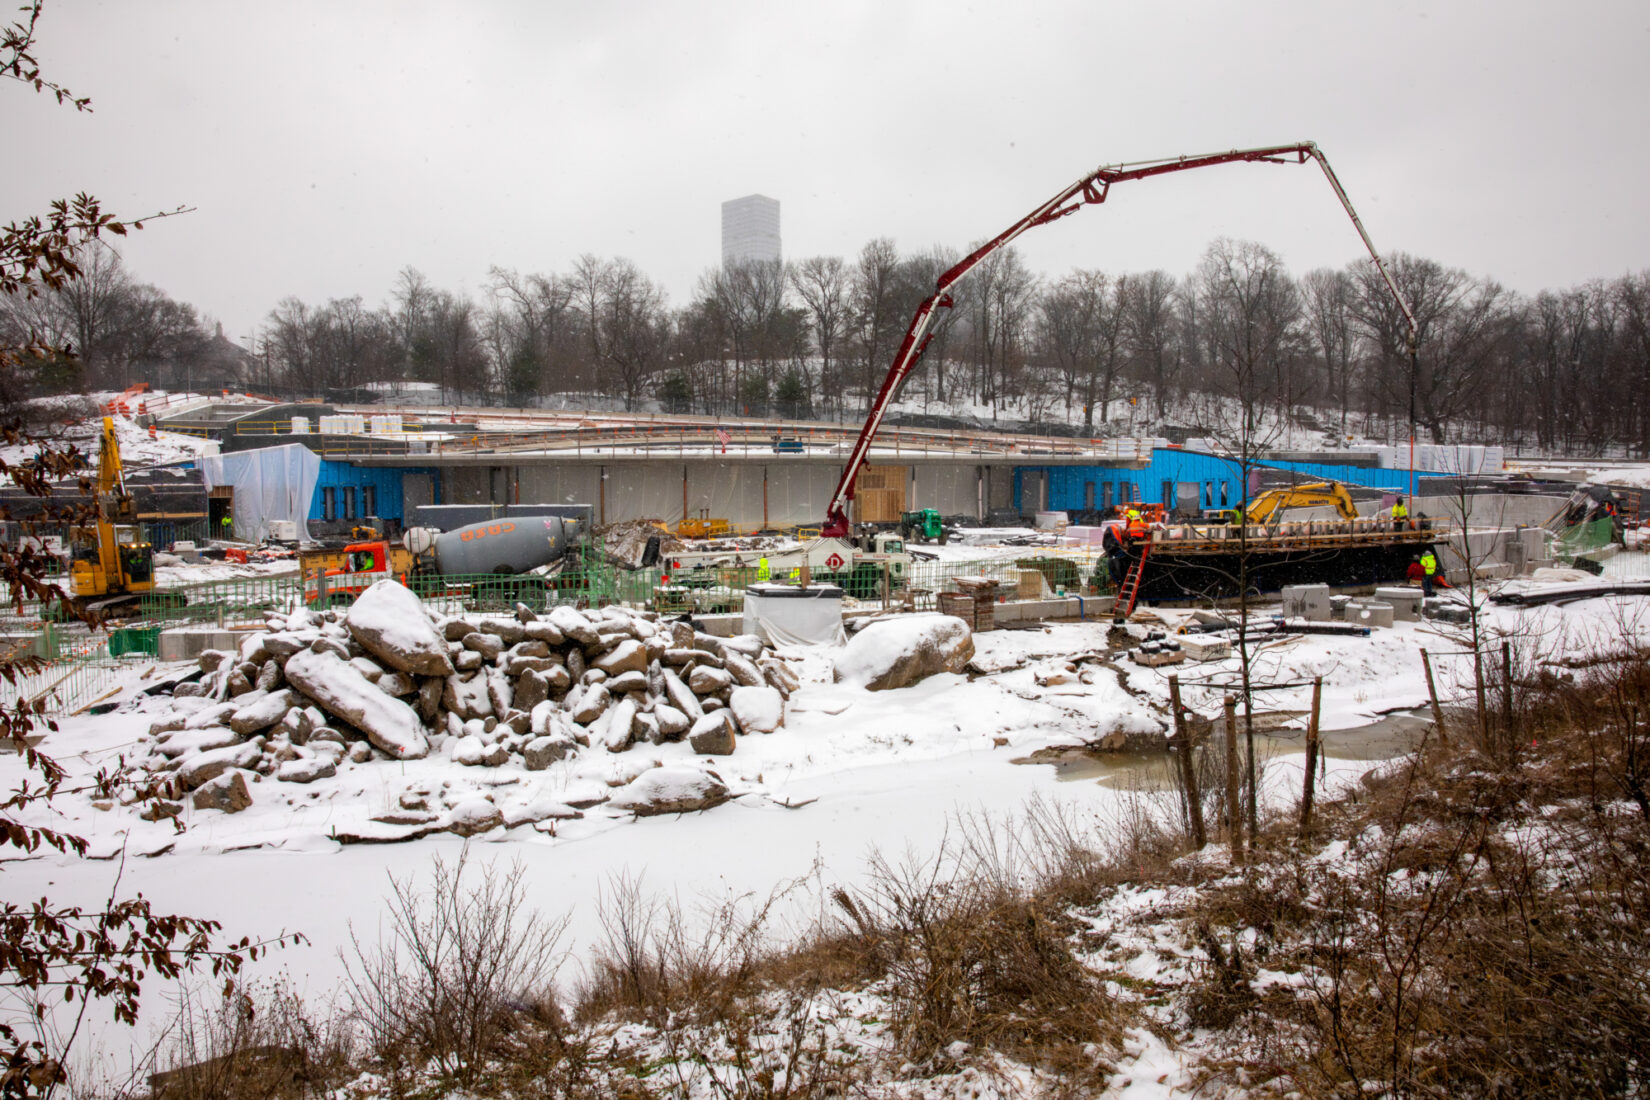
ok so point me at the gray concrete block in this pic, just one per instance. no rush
(188, 642)
(1406, 602)
(1306, 601)
(1369, 613)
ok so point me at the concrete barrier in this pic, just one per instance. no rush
(188, 642)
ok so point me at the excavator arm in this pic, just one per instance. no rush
(1312, 494)
(1092, 189)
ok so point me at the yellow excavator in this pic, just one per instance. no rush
(107, 572)
(1269, 506)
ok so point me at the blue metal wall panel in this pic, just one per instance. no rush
(1219, 479)
(1373, 477)
(386, 483)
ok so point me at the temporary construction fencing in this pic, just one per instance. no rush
(76, 680)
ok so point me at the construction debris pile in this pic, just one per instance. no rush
(627, 542)
(390, 680)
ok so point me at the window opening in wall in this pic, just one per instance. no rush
(1225, 488)
(369, 500)
(1088, 495)
(329, 503)
(1208, 494)
(1168, 494)
(1108, 495)
(349, 503)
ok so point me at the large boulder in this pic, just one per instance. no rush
(184, 742)
(227, 793)
(705, 680)
(541, 752)
(468, 697)
(628, 656)
(899, 652)
(620, 724)
(474, 816)
(671, 791)
(681, 697)
(573, 625)
(712, 735)
(389, 723)
(758, 709)
(209, 765)
(307, 769)
(390, 623)
(262, 713)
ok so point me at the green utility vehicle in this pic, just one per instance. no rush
(924, 526)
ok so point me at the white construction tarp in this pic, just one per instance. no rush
(271, 483)
(783, 614)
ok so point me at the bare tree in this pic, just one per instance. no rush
(915, 280)
(1150, 326)
(1082, 325)
(822, 284)
(625, 321)
(1249, 310)
(876, 316)
(1000, 324)
(530, 326)
(1463, 328)
(1633, 299)
(1327, 297)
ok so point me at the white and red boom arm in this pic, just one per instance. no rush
(1092, 188)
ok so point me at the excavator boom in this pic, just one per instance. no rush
(1091, 189)
(1312, 494)
(114, 572)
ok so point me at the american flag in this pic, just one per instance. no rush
(722, 437)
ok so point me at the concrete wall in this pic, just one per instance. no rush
(749, 495)
(1492, 509)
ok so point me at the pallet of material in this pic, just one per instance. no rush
(979, 614)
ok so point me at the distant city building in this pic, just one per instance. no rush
(750, 229)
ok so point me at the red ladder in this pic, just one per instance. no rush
(1123, 606)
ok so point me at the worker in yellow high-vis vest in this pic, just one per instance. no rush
(1429, 569)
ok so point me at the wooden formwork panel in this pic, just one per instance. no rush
(879, 493)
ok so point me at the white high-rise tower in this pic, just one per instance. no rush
(750, 229)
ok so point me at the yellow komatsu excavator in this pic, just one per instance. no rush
(1269, 506)
(106, 571)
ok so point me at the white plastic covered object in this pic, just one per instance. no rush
(784, 614)
(271, 483)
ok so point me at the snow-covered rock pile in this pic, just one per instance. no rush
(389, 680)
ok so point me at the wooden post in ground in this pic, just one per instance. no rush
(1234, 766)
(1188, 768)
(1311, 756)
(1506, 689)
(1432, 693)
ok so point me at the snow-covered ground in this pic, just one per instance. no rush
(183, 574)
(137, 449)
(851, 771)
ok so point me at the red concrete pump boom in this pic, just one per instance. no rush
(1092, 188)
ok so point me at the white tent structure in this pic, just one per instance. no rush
(271, 484)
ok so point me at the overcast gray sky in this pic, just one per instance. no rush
(327, 145)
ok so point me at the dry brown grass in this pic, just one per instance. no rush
(259, 1041)
(1484, 931)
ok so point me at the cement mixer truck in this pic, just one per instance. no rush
(491, 562)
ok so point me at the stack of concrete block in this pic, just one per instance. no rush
(1153, 654)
